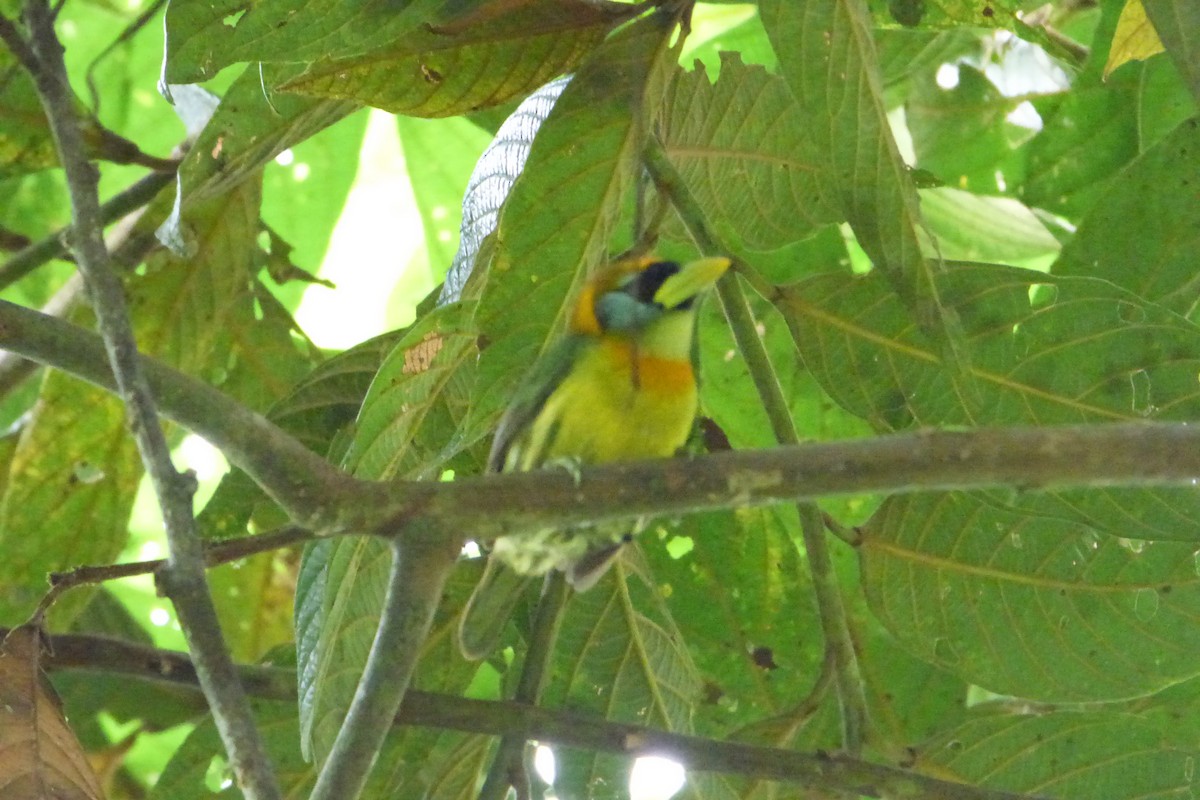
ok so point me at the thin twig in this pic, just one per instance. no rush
(834, 624)
(214, 555)
(54, 245)
(508, 765)
(184, 580)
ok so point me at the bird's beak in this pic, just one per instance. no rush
(692, 279)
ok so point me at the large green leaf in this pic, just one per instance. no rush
(76, 469)
(742, 599)
(408, 427)
(961, 134)
(441, 70)
(199, 769)
(1031, 606)
(974, 227)
(338, 601)
(744, 149)
(1143, 233)
(1080, 755)
(440, 155)
(25, 141)
(248, 128)
(619, 655)
(827, 54)
(1177, 23)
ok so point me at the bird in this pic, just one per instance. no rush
(619, 385)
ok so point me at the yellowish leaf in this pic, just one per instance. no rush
(1134, 39)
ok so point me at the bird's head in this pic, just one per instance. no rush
(632, 295)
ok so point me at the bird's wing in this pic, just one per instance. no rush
(537, 386)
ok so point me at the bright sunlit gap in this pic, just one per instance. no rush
(374, 241)
(544, 764)
(652, 777)
(655, 778)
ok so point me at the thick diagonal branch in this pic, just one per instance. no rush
(184, 578)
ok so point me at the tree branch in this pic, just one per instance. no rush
(519, 721)
(419, 572)
(1030, 458)
(184, 580)
(298, 479)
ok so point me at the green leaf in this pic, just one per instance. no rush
(1083, 755)
(440, 156)
(906, 54)
(1031, 606)
(1178, 25)
(826, 52)
(962, 134)
(1088, 135)
(248, 129)
(744, 150)
(742, 599)
(76, 468)
(304, 198)
(620, 655)
(974, 227)
(199, 769)
(317, 410)
(26, 144)
(445, 69)
(411, 419)
(1064, 356)
(253, 597)
(409, 427)
(339, 594)
(1139, 235)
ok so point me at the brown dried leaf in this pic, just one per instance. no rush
(40, 758)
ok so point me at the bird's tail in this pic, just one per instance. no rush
(489, 609)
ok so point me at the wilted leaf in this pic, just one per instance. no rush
(39, 755)
(1135, 38)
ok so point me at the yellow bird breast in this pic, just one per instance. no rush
(617, 403)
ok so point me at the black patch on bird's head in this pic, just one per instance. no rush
(645, 284)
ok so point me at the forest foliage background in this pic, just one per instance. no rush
(945, 214)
